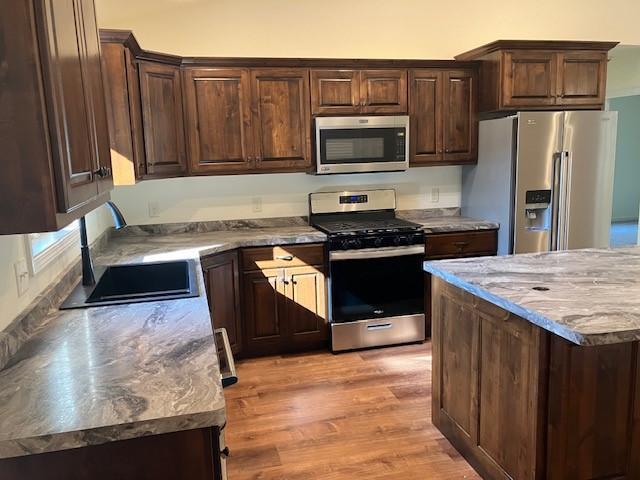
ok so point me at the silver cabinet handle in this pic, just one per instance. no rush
(287, 258)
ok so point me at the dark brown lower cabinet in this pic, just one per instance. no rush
(271, 300)
(222, 280)
(439, 246)
(284, 306)
(520, 402)
(186, 455)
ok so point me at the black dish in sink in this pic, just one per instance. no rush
(132, 283)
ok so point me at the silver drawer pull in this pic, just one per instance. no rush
(380, 326)
(287, 258)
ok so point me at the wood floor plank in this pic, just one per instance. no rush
(336, 417)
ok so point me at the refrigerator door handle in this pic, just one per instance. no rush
(565, 199)
(555, 200)
(561, 195)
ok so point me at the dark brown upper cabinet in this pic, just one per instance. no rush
(530, 79)
(218, 119)
(539, 75)
(460, 107)
(162, 117)
(122, 93)
(358, 91)
(335, 92)
(443, 111)
(53, 126)
(281, 120)
(582, 77)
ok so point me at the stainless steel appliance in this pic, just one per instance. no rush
(362, 144)
(376, 282)
(547, 177)
(228, 377)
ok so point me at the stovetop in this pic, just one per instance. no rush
(351, 231)
(363, 223)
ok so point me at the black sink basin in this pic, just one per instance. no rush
(142, 282)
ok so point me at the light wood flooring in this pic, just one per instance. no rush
(359, 415)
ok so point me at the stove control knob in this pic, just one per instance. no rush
(378, 242)
(400, 240)
(351, 244)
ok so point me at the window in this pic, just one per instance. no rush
(43, 248)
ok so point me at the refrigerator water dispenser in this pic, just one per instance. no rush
(537, 209)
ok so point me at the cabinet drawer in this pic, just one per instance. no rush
(282, 256)
(447, 245)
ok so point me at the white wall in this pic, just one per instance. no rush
(623, 71)
(231, 197)
(362, 28)
(12, 249)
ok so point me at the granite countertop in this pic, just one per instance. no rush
(111, 373)
(90, 376)
(593, 295)
(447, 222)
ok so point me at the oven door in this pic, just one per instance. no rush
(362, 144)
(376, 297)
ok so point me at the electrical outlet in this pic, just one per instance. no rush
(435, 195)
(256, 204)
(154, 209)
(22, 276)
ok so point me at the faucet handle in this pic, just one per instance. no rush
(103, 172)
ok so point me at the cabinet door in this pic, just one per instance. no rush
(223, 293)
(306, 307)
(425, 109)
(383, 91)
(582, 78)
(529, 79)
(161, 97)
(264, 300)
(217, 113)
(94, 84)
(335, 91)
(281, 120)
(72, 130)
(460, 117)
(123, 113)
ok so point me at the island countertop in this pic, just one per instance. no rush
(102, 374)
(589, 297)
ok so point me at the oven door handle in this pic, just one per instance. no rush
(230, 377)
(368, 253)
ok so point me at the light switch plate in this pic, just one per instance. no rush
(154, 209)
(22, 276)
(256, 204)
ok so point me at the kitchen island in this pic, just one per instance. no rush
(536, 368)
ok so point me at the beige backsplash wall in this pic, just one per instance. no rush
(234, 197)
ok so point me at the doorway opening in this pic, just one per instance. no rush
(623, 96)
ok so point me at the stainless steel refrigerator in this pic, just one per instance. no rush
(547, 177)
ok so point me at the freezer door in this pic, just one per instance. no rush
(539, 141)
(590, 145)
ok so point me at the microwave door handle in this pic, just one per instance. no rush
(232, 377)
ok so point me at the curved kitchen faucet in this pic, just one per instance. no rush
(88, 278)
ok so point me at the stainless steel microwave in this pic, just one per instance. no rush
(362, 144)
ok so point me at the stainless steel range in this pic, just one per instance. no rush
(376, 282)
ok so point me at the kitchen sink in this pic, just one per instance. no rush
(132, 283)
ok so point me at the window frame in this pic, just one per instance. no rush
(38, 262)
